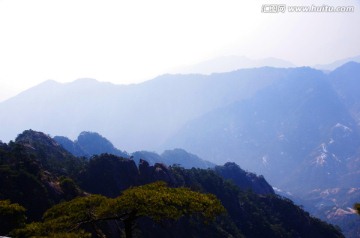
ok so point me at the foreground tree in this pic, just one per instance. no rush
(156, 201)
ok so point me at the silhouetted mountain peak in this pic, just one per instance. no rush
(31, 137)
(348, 68)
(91, 140)
(85, 81)
(232, 63)
(88, 144)
(184, 159)
(49, 82)
(243, 179)
(337, 64)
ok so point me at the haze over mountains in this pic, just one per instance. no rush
(337, 63)
(266, 119)
(299, 127)
(133, 117)
(231, 63)
(297, 124)
(235, 62)
(89, 144)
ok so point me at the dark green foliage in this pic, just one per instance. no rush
(28, 170)
(69, 188)
(257, 215)
(244, 179)
(282, 218)
(12, 215)
(24, 188)
(21, 180)
(49, 154)
(108, 175)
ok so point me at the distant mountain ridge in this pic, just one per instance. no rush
(133, 117)
(231, 63)
(296, 126)
(89, 144)
(337, 64)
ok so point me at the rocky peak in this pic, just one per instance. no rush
(243, 179)
(88, 144)
(154, 173)
(30, 138)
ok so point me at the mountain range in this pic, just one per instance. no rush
(37, 172)
(305, 124)
(133, 117)
(231, 63)
(333, 204)
(299, 127)
(266, 119)
(337, 63)
(89, 144)
(235, 62)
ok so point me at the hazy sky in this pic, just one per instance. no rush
(132, 41)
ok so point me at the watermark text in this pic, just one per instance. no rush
(282, 8)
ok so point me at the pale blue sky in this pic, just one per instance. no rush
(132, 41)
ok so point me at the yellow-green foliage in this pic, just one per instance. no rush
(158, 201)
(12, 215)
(65, 217)
(78, 210)
(155, 200)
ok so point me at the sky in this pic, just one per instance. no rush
(126, 42)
